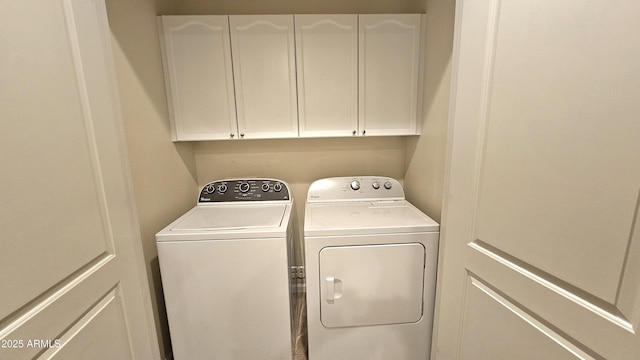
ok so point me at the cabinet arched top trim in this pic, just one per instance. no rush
(325, 22)
(391, 22)
(259, 23)
(196, 23)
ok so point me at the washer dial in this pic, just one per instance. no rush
(244, 187)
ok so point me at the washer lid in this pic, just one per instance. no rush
(215, 218)
(228, 221)
(359, 218)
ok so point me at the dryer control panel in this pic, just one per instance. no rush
(244, 190)
(355, 188)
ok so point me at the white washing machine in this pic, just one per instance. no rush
(225, 273)
(371, 271)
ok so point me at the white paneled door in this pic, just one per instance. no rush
(71, 269)
(540, 255)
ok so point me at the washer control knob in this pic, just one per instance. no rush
(209, 188)
(387, 185)
(244, 187)
(355, 185)
(277, 187)
(222, 188)
(265, 187)
(375, 185)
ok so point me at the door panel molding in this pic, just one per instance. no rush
(58, 308)
(88, 109)
(103, 315)
(628, 296)
(585, 322)
(478, 290)
(580, 297)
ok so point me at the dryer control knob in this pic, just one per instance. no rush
(387, 185)
(355, 185)
(222, 188)
(265, 187)
(244, 187)
(375, 185)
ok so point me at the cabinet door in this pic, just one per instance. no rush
(264, 73)
(389, 73)
(198, 71)
(327, 63)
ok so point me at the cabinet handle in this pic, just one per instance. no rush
(232, 135)
(354, 132)
(241, 135)
(364, 132)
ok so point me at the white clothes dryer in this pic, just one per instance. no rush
(225, 272)
(370, 260)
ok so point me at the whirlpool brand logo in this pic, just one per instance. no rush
(202, 198)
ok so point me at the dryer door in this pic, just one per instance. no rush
(371, 284)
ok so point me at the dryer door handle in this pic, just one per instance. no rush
(333, 288)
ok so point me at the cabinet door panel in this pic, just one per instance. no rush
(327, 64)
(197, 58)
(389, 73)
(264, 72)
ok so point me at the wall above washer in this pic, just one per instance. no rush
(300, 161)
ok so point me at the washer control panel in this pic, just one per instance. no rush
(357, 188)
(244, 190)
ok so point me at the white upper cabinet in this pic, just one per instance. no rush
(327, 64)
(264, 74)
(286, 76)
(199, 78)
(389, 74)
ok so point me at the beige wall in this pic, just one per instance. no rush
(425, 155)
(164, 174)
(299, 162)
